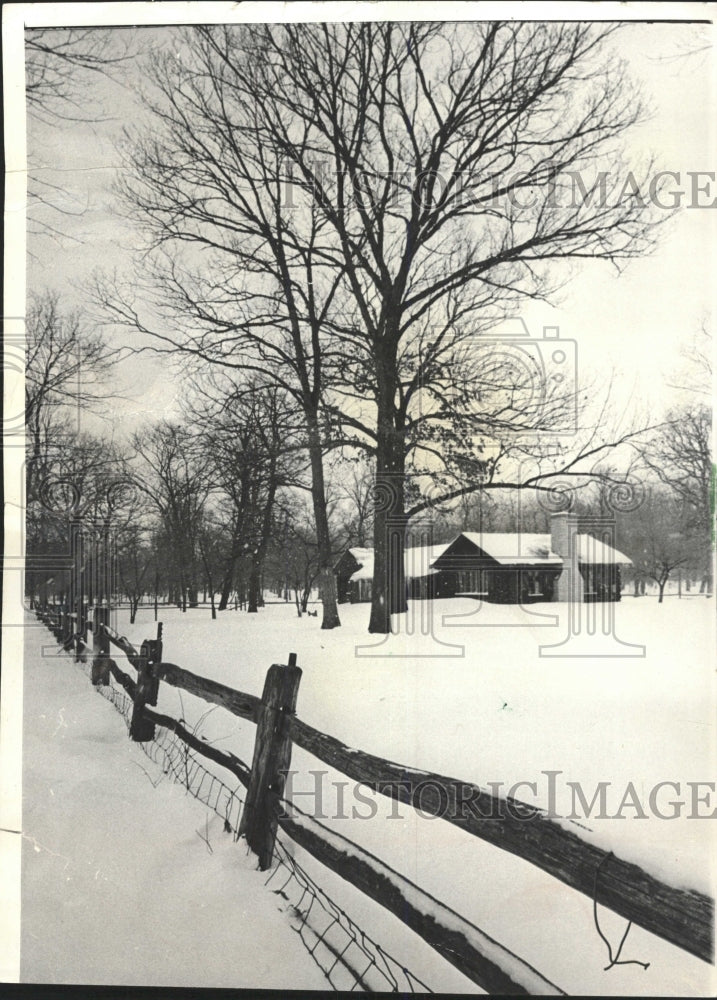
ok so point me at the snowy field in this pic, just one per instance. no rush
(466, 694)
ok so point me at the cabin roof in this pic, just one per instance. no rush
(503, 547)
(417, 561)
(526, 549)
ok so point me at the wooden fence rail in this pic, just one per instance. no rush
(478, 956)
(228, 760)
(684, 918)
(246, 706)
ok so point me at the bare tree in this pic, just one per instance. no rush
(295, 554)
(83, 491)
(57, 62)
(261, 303)
(680, 457)
(210, 540)
(660, 541)
(355, 491)
(61, 65)
(695, 376)
(136, 560)
(388, 189)
(69, 474)
(252, 437)
(66, 371)
(174, 478)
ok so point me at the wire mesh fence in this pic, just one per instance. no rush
(175, 758)
(349, 958)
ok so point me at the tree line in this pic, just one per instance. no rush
(215, 507)
(211, 506)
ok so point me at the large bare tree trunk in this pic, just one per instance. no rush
(388, 594)
(256, 597)
(254, 583)
(226, 585)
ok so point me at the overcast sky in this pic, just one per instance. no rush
(634, 323)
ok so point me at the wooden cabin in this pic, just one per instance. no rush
(524, 568)
(500, 567)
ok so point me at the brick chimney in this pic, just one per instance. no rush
(563, 542)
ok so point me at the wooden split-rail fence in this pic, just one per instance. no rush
(684, 918)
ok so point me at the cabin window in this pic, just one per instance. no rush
(472, 581)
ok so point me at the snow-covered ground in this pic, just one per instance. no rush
(489, 708)
(125, 878)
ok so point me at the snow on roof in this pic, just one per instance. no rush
(417, 561)
(509, 548)
(590, 550)
(514, 547)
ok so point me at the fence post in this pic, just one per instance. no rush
(272, 757)
(67, 628)
(79, 625)
(142, 729)
(100, 647)
(56, 621)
